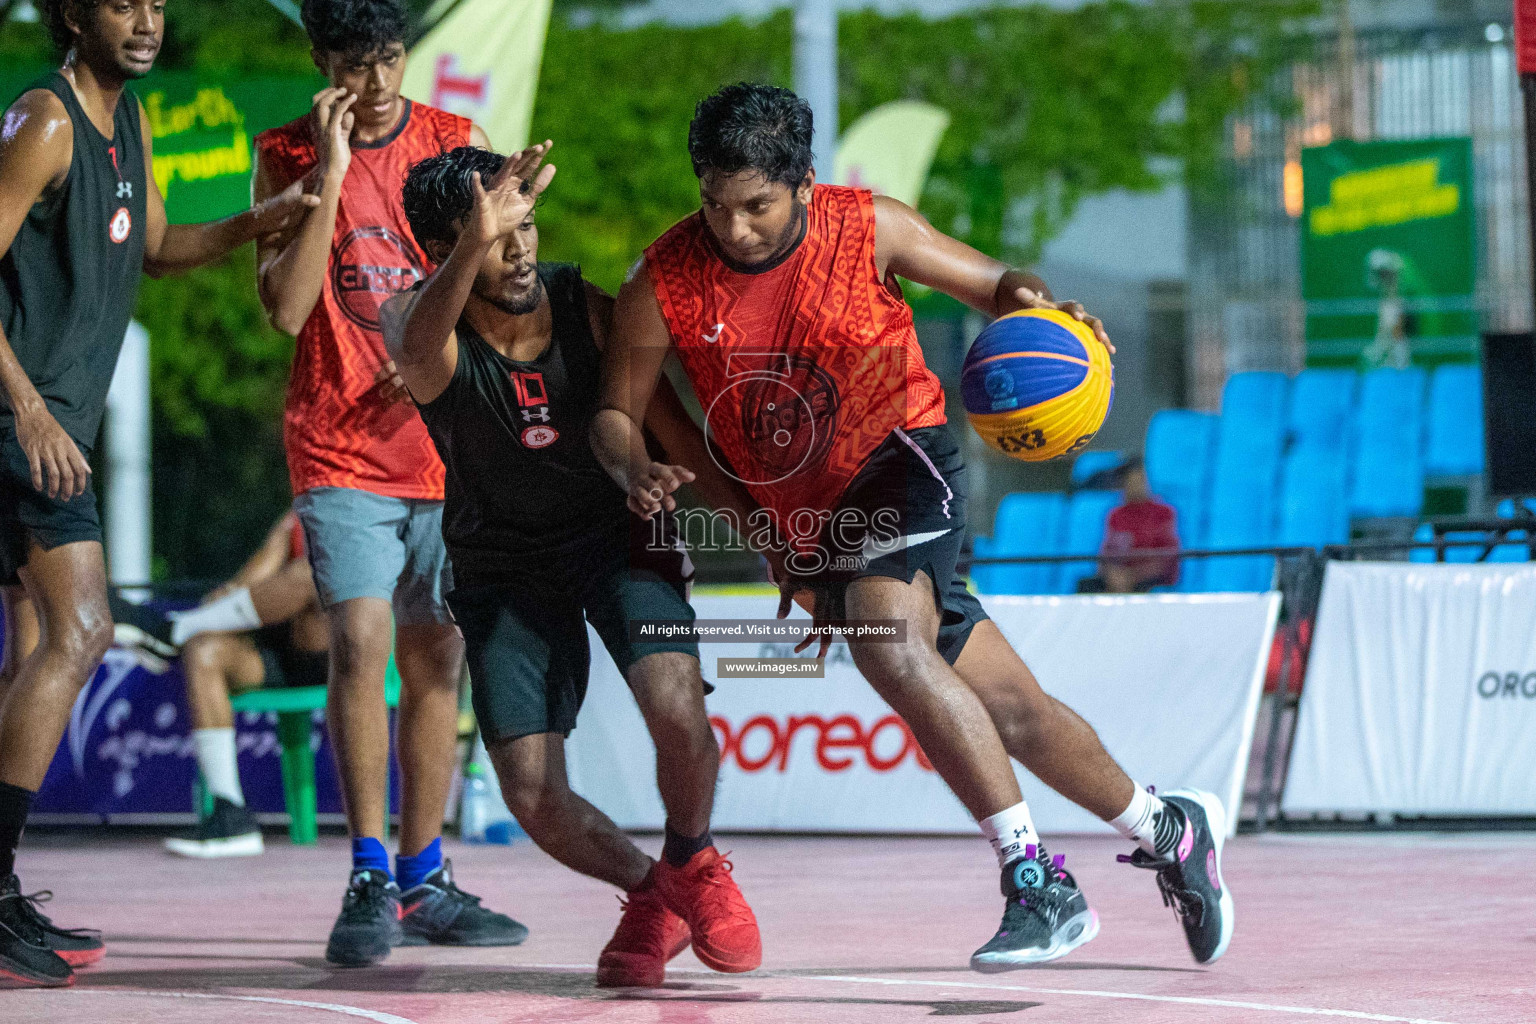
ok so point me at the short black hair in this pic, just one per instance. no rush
(748, 126)
(55, 11)
(355, 28)
(438, 193)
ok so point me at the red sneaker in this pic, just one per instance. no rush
(704, 895)
(647, 937)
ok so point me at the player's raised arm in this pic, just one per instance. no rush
(632, 365)
(290, 266)
(419, 329)
(36, 147)
(174, 248)
(908, 246)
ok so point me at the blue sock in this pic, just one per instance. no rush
(412, 871)
(368, 854)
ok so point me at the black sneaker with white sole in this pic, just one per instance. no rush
(230, 831)
(369, 923)
(1046, 916)
(25, 958)
(1189, 875)
(438, 912)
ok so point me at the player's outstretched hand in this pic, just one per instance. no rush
(505, 201)
(651, 491)
(284, 211)
(1031, 299)
(333, 130)
(58, 468)
(792, 593)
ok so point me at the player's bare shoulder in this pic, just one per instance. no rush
(37, 138)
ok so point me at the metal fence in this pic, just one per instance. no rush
(1299, 573)
(1245, 281)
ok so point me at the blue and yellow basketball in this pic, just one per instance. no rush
(1037, 384)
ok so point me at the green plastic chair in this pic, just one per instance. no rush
(294, 707)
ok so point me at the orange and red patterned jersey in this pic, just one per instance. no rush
(337, 429)
(803, 369)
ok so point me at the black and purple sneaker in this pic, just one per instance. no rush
(1045, 918)
(1189, 874)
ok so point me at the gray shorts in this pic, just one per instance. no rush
(367, 545)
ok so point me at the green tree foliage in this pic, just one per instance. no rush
(1052, 105)
(1049, 106)
(621, 128)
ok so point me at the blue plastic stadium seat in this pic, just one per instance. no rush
(1455, 422)
(1388, 477)
(1321, 409)
(1314, 509)
(1245, 482)
(1090, 463)
(1026, 524)
(1181, 446)
(1253, 414)
(1084, 535)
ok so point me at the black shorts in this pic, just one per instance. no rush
(904, 513)
(27, 514)
(525, 636)
(283, 664)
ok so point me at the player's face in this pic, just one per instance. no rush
(509, 277)
(122, 35)
(374, 78)
(755, 221)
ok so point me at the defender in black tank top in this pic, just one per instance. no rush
(525, 494)
(502, 356)
(80, 219)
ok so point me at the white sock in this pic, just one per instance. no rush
(231, 613)
(216, 758)
(1139, 822)
(1010, 832)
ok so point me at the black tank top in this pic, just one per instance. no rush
(524, 492)
(70, 279)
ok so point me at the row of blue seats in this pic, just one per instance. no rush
(1289, 461)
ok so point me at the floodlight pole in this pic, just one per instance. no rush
(816, 76)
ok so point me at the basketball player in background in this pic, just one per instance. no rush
(80, 219)
(262, 628)
(369, 485)
(501, 353)
(780, 299)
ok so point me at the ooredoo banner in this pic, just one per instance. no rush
(1171, 683)
(1421, 693)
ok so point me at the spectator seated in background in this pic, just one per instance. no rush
(1140, 523)
(264, 627)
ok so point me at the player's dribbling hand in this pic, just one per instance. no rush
(58, 468)
(1031, 299)
(651, 491)
(333, 128)
(790, 594)
(503, 203)
(284, 211)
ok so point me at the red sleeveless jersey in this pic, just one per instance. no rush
(336, 430)
(804, 369)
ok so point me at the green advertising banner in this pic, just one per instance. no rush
(1388, 243)
(203, 127)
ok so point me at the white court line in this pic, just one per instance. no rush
(379, 1016)
(1085, 993)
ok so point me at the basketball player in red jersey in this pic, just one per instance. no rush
(780, 299)
(368, 483)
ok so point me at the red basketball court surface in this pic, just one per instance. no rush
(1371, 927)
